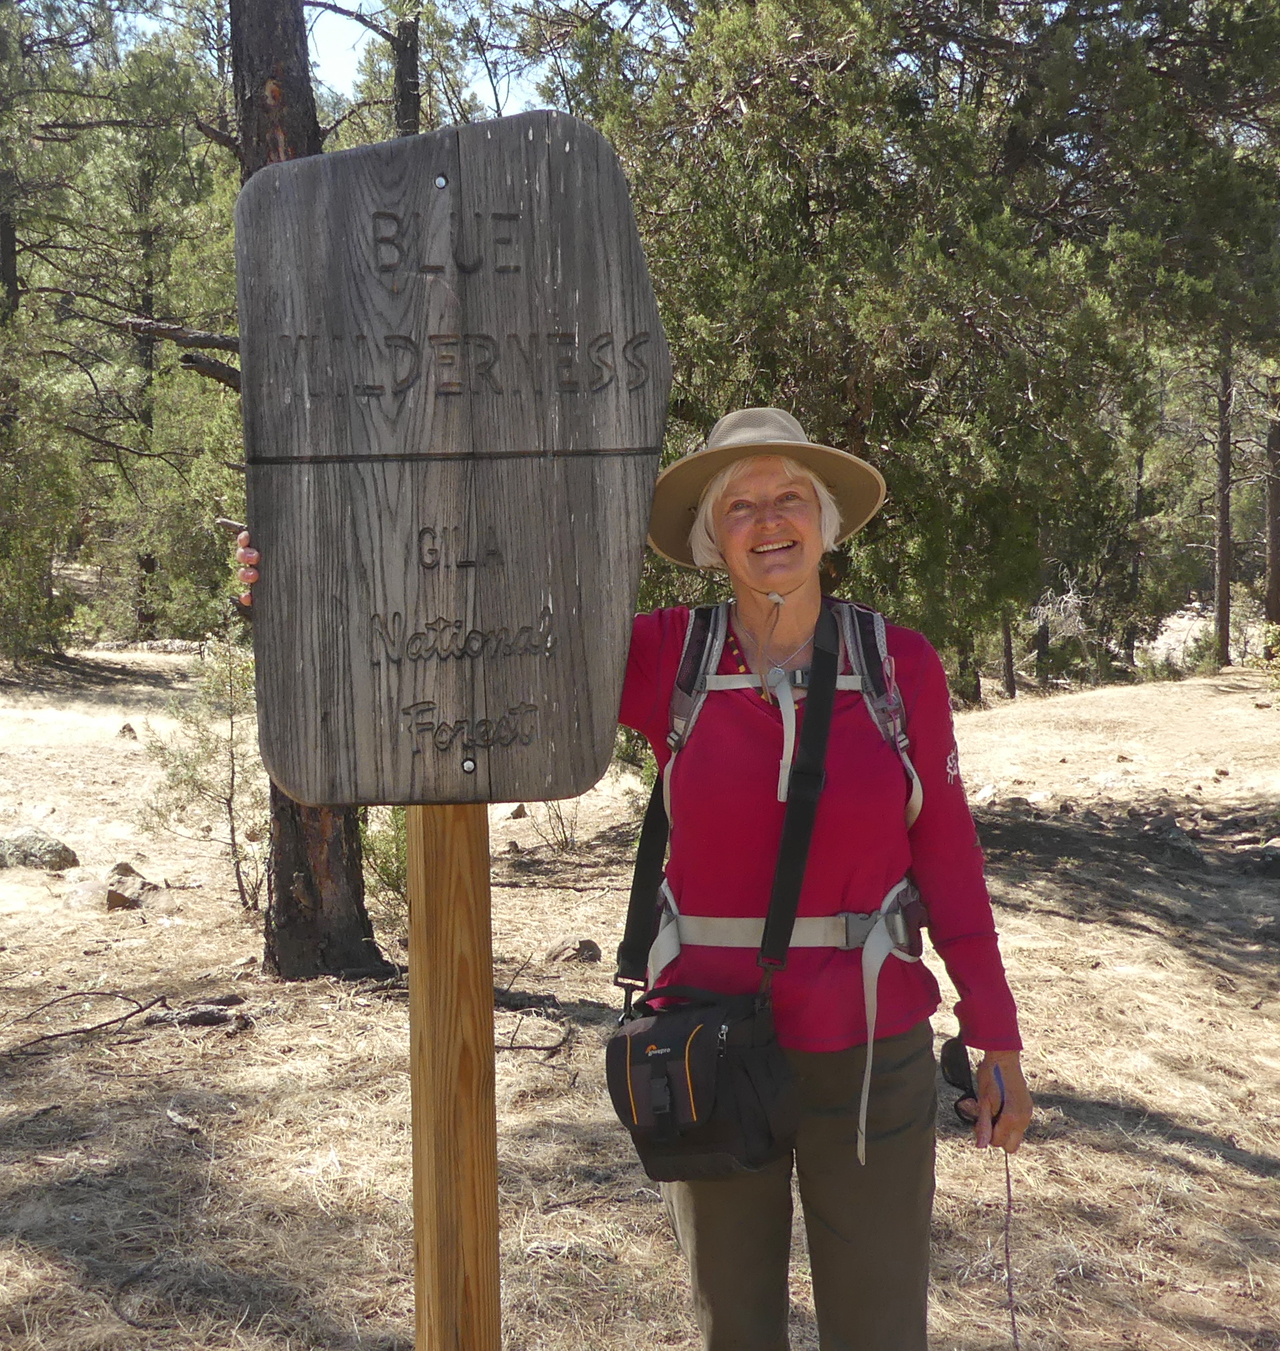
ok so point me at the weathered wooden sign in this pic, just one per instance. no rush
(454, 385)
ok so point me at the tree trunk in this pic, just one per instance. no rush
(1042, 654)
(1222, 515)
(1009, 670)
(10, 297)
(271, 74)
(968, 677)
(9, 293)
(406, 92)
(315, 923)
(1130, 637)
(1271, 599)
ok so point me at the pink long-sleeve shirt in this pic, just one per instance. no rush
(727, 824)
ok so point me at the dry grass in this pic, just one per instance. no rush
(273, 1212)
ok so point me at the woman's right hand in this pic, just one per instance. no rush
(249, 558)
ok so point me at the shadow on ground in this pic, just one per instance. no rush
(67, 679)
(1198, 879)
(127, 1211)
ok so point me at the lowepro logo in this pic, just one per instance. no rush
(651, 1049)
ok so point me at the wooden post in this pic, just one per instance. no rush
(455, 1151)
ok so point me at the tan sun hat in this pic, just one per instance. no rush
(857, 488)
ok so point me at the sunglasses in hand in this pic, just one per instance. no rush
(956, 1070)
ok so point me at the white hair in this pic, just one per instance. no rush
(702, 538)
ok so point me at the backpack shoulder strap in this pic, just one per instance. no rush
(703, 648)
(866, 640)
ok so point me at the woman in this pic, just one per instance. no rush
(763, 503)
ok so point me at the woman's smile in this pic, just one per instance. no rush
(768, 523)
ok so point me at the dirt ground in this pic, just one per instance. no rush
(247, 1185)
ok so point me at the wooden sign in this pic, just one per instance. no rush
(454, 386)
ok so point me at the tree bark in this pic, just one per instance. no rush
(1042, 655)
(406, 90)
(10, 298)
(316, 922)
(1008, 669)
(9, 293)
(1130, 637)
(271, 75)
(1271, 598)
(968, 676)
(1222, 514)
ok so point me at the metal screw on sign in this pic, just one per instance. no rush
(455, 389)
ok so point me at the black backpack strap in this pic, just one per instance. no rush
(869, 659)
(703, 641)
(642, 908)
(804, 789)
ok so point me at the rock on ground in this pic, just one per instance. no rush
(32, 848)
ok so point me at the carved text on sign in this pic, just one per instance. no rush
(487, 241)
(518, 723)
(446, 639)
(444, 548)
(362, 366)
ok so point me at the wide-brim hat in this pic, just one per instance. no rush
(856, 486)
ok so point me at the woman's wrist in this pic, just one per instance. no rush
(1004, 1059)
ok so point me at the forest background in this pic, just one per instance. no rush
(1023, 256)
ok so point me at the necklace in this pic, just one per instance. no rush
(772, 666)
(782, 665)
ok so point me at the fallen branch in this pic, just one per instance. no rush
(550, 1050)
(537, 885)
(84, 1031)
(215, 370)
(132, 1279)
(528, 1046)
(181, 335)
(202, 1015)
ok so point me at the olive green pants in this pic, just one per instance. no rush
(868, 1227)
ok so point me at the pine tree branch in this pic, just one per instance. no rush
(371, 24)
(118, 448)
(326, 132)
(182, 336)
(214, 370)
(222, 138)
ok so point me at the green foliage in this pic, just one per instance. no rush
(964, 246)
(385, 851)
(213, 785)
(996, 249)
(1268, 658)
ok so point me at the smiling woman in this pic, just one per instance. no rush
(789, 482)
(723, 716)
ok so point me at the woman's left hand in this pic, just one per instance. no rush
(1015, 1116)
